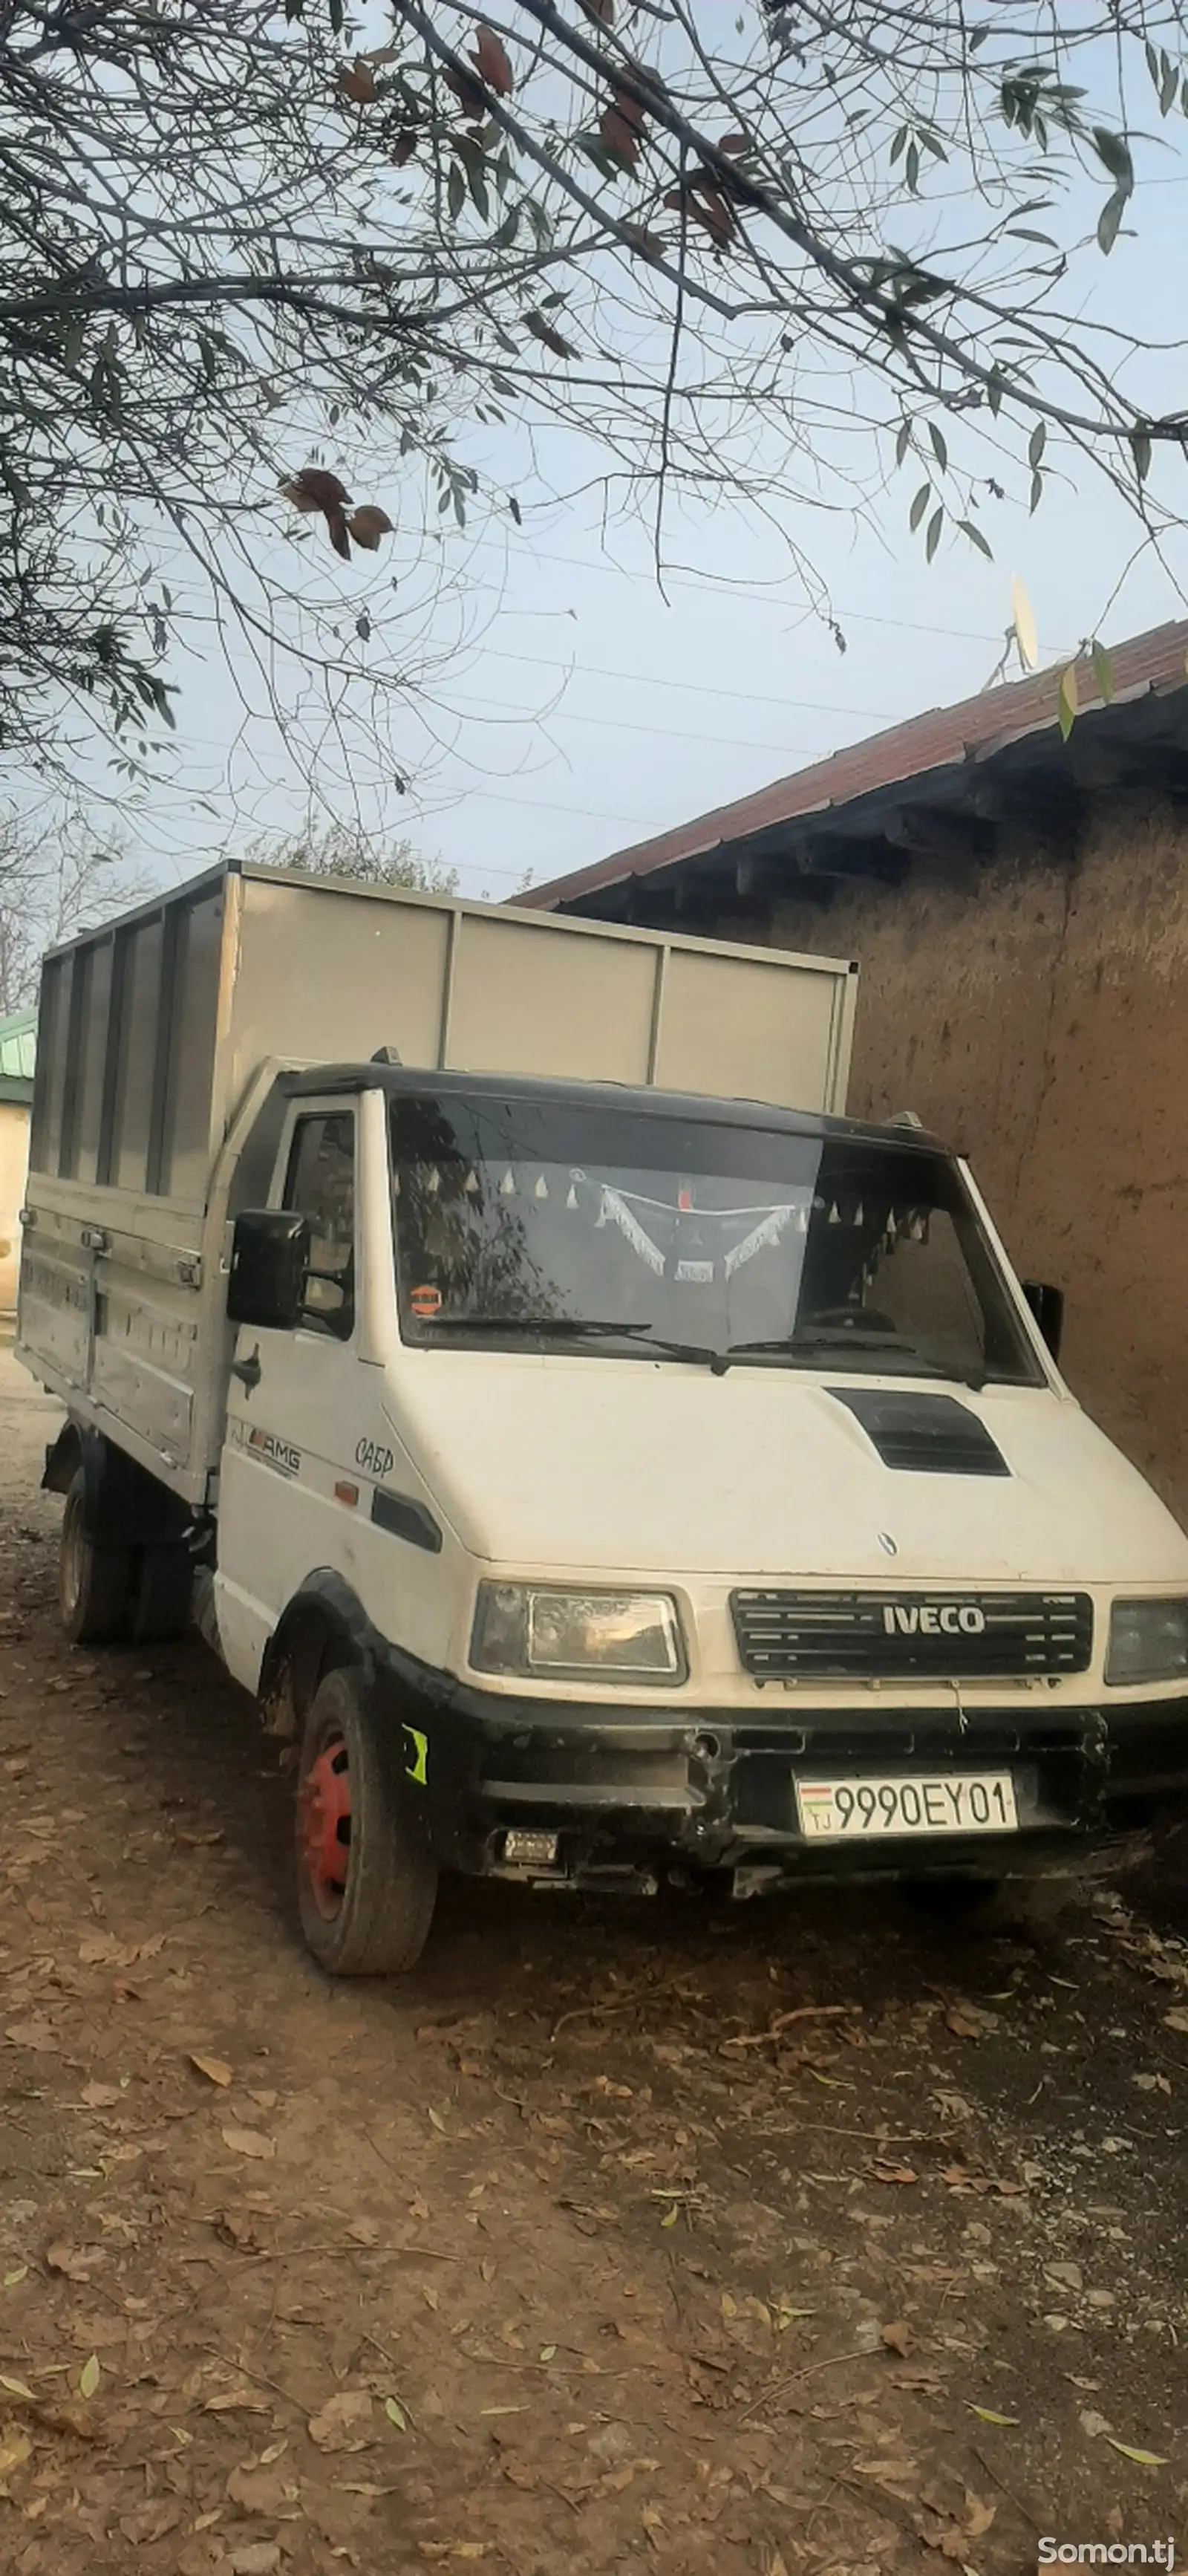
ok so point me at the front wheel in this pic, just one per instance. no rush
(366, 1884)
(94, 1582)
(987, 1906)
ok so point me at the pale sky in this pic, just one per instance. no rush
(573, 710)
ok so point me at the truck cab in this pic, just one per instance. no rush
(693, 1485)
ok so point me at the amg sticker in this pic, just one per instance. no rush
(272, 1451)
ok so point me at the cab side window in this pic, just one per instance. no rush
(321, 1187)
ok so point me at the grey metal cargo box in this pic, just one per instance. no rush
(160, 1034)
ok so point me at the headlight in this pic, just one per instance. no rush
(577, 1636)
(1148, 1642)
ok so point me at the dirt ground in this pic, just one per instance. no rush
(707, 2238)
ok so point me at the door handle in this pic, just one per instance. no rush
(249, 1370)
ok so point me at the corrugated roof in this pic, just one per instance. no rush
(945, 736)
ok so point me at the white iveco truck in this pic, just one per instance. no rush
(608, 1462)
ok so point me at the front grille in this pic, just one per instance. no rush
(888, 1636)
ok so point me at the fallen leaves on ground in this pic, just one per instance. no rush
(342, 2422)
(215, 2069)
(249, 2142)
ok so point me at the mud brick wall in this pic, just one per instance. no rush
(1034, 1012)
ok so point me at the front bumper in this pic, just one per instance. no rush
(636, 1793)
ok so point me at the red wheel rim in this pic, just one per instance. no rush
(324, 1826)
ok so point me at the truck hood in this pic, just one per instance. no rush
(625, 1466)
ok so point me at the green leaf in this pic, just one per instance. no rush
(337, 15)
(919, 506)
(1037, 492)
(1066, 703)
(1115, 153)
(1141, 450)
(17, 2388)
(911, 170)
(939, 449)
(994, 394)
(88, 2377)
(933, 534)
(1023, 232)
(1103, 673)
(548, 2352)
(1152, 64)
(1109, 220)
(505, 233)
(903, 440)
(1037, 443)
(670, 2216)
(1168, 85)
(456, 190)
(899, 144)
(1145, 2459)
(986, 2415)
(976, 537)
(395, 2414)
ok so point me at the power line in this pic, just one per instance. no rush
(699, 688)
(668, 733)
(762, 599)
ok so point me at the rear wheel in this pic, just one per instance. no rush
(366, 1884)
(93, 1582)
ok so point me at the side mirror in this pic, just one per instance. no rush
(269, 1261)
(1047, 1306)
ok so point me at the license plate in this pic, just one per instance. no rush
(963, 1802)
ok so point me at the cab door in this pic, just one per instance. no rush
(299, 1403)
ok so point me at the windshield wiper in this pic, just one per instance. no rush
(838, 1337)
(575, 1328)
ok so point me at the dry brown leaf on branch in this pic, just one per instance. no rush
(620, 125)
(733, 144)
(356, 81)
(709, 207)
(368, 524)
(601, 11)
(471, 99)
(491, 62)
(313, 489)
(543, 331)
(639, 239)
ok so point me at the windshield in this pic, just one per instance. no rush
(617, 1231)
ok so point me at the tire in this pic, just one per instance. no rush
(987, 1906)
(366, 1885)
(94, 1583)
